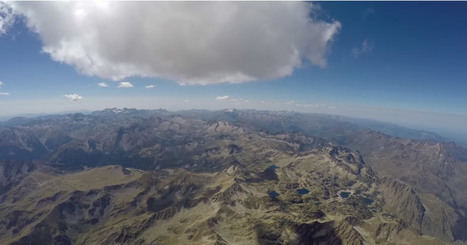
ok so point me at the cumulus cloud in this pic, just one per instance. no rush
(188, 42)
(366, 47)
(225, 97)
(125, 85)
(103, 84)
(7, 17)
(73, 97)
(149, 86)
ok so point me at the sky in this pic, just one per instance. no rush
(401, 62)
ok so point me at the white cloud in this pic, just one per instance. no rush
(1, 84)
(366, 47)
(6, 17)
(103, 84)
(188, 42)
(125, 85)
(149, 86)
(225, 97)
(73, 97)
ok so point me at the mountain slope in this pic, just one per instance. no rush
(236, 163)
(234, 206)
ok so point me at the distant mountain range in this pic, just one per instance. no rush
(127, 176)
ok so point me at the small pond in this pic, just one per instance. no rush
(273, 194)
(345, 194)
(303, 191)
(273, 167)
(368, 201)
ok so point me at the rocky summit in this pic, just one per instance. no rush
(227, 177)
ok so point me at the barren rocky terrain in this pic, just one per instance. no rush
(124, 176)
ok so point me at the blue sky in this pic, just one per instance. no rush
(403, 62)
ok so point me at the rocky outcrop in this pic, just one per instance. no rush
(425, 213)
(335, 233)
(402, 201)
(12, 172)
(20, 144)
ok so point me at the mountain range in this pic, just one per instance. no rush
(127, 176)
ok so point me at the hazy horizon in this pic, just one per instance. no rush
(459, 137)
(386, 61)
